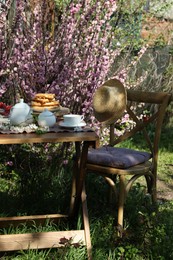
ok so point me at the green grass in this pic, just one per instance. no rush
(36, 184)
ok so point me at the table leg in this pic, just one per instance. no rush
(81, 194)
(74, 177)
(78, 180)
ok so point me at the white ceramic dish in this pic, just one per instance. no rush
(63, 124)
(41, 109)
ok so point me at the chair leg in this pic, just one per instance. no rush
(122, 193)
(152, 189)
(112, 190)
(154, 194)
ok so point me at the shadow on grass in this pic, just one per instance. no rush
(147, 234)
(148, 229)
(38, 196)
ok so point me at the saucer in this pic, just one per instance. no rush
(72, 126)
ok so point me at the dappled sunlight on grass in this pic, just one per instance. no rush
(147, 231)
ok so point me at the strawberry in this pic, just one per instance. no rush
(1, 105)
(8, 108)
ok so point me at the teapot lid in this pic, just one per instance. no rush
(21, 104)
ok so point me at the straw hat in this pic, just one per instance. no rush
(109, 101)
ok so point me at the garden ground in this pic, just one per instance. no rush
(165, 191)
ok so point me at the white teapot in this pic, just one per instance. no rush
(20, 114)
(46, 118)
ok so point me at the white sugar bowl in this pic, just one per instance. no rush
(46, 118)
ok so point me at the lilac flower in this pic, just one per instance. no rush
(9, 163)
(72, 61)
(65, 162)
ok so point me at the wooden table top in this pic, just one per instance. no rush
(48, 137)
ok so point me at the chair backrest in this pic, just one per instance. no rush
(137, 102)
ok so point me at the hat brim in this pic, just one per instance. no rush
(109, 101)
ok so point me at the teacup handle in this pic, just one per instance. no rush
(82, 117)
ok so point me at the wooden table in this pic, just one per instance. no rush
(53, 239)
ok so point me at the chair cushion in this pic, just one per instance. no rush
(121, 158)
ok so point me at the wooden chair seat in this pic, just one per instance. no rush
(137, 169)
(127, 164)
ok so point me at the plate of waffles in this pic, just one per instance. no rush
(42, 101)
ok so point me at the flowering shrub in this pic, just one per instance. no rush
(71, 64)
(76, 61)
(70, 58)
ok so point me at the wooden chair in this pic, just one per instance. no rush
(110, 161)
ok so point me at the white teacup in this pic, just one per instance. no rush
(72, 119)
